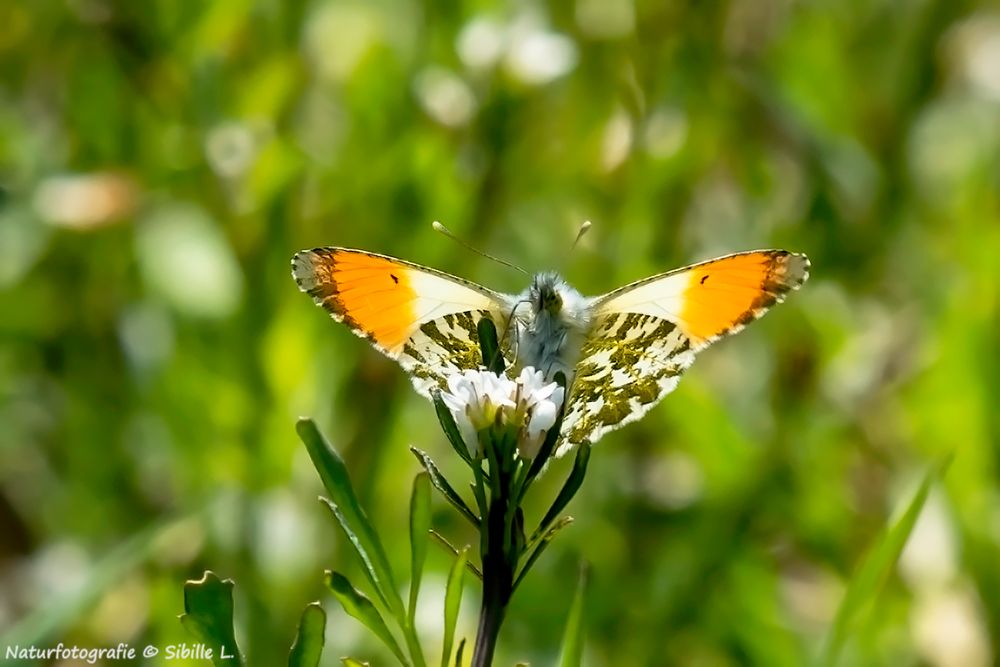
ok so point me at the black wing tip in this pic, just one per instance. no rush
(302, 269)
(798, 268)
(312, 251)
(790, 268)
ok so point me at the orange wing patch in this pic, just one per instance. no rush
(426, 320)
(724, 294)
(371, 294)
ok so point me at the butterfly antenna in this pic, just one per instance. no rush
(509, 328)
(438, 227)
(584, 228)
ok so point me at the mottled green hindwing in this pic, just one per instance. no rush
(628, 363)
(444, 346)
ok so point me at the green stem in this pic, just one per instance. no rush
(413, 644)
(498, 582)
(490, 619)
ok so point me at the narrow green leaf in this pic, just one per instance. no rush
(572, 646)
(452, 603)
(569, 489)
(208, 615)
(876, 567)
(413, 644)
(420, 525)
(450, 548)
(479, 491)
(360, 607)
(308, 646)
(450, 428)
(491, 446)
(517, 531)
(492, 358)
(442, 485)
(543, 544)
(354, 662)
(460, 653)
(337, 482)
(352, 537)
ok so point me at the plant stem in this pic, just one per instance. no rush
(498, 580)
(490, 619)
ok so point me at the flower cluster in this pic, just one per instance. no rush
(481, 400)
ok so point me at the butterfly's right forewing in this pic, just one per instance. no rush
(424, 319)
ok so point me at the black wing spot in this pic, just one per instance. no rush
(703, 279)
(394, 278)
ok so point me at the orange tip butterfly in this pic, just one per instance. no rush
(621, 352)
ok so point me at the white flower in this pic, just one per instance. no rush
(542, 402)
(480, 399)
(474, 398)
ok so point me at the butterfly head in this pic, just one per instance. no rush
(552, 298)
(546, 293)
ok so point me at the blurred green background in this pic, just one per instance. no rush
(160, 162)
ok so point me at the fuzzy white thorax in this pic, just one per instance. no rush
(551, 320)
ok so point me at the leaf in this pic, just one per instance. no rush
(442, 485)
(351, 516)
(360, 607)
(354, 662)
(452, 603)
(460, 653)
(572, 646)
(876, 567)
(352, 537)
(479, 490)
(308, 646)
(420, 525)
(542, 546)
(208, 615)
(450, 548)
(450, 428)
(492, 358)
(569, 489)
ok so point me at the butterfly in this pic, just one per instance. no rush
(621, 352)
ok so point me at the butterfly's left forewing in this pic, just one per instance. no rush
(646, 334)
(424, 319)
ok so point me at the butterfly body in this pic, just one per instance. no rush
(621, 352)
(550, 323)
